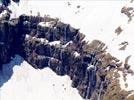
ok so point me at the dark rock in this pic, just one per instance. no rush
(42, 49)
(126, 66)
(6, 2)
(42, 62)
(78, 6)
(16, 1)
(5, 55)
(87, 58)
(87, 71)
(41, 31)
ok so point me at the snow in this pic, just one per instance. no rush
(27, 36)
(122, 82)
(28, 83)
(67, 44)
(76, 54)
(129, 81)
(3, 13)
(39, 39)
(43, 40)
(90, 67)
(96, 19)
(46, 24)
(54, 43)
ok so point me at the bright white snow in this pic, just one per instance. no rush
(96, 19)
(76, 54)
(3, 13)
(54, 43)
(129, 82)
(28, 83)
(46, 24)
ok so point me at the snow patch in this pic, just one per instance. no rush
(97, 20)
(67, 44)
(43, 40)
(129, 81)
(3, 13)
(76, 54)
(46, 24)
(54, 43)
(28, 83)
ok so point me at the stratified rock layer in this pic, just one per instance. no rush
(47, 42)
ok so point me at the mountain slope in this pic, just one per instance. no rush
(97, 20)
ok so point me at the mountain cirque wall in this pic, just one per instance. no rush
(47, 42)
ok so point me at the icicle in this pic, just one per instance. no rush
(29, 25)
(101, 88)
(92, 58)
(65, 33)
(49, 62)
(59, 68)
(88, 90)
(93, 75)
(90, 67)
(50, 50)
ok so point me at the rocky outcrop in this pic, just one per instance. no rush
(61, 58)
(47, 42)
(7, 2)
(6, 41)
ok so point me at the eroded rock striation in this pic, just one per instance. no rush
(48, 42)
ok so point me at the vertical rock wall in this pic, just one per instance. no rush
(47, 42)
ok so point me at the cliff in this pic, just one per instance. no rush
(47, 42)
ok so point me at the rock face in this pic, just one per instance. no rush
(47, 42)
(7, 41)
(7, 2)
